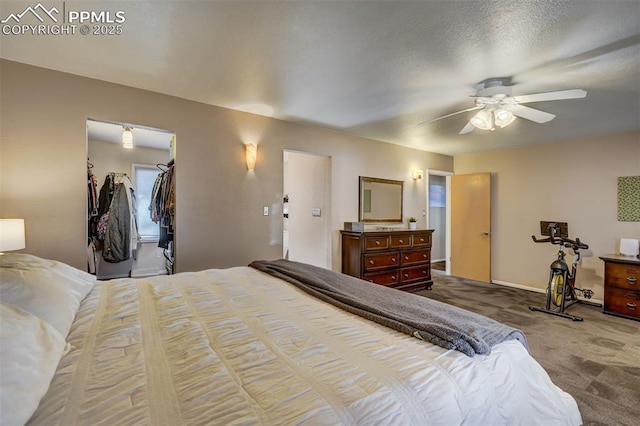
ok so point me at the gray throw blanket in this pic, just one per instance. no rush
(436, 322)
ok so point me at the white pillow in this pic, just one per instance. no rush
(30, 350)
(49, 289)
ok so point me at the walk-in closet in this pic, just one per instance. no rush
(130, 200)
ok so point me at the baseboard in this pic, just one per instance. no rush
(536, 289)
(438, 260)
(520, 286)
(148, 272)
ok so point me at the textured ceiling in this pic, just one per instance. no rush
(369, 68)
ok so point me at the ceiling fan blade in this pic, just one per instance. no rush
(467, 129)
(552, 96)
(449, 115)
(531, 114)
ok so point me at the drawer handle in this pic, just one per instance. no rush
(401, 241)
(406, 275)
(422, 240)
(393, 259)
(632, 281)
(424, 256)
(377, 242)
(631, 306)
(406, 258)
(393, 277)
(371, 262)
(424, 272)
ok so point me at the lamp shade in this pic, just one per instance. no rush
(503, 117)
(483, 120)
(11, 234)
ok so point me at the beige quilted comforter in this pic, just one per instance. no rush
(237, 346)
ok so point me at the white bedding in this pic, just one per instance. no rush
(237, 346)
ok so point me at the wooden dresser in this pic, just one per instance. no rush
(395, 258)
(622, 286)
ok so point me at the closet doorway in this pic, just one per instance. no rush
(130, 200)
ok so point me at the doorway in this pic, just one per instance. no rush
(142, 221)
(439, 218)
(306, 226)
(471, 226)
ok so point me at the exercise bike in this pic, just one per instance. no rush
(561, 290)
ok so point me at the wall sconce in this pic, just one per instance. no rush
(11, 234)
(127, 138)
(251, 152)
(417, 174)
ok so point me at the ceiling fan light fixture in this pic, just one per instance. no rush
(503, 117)
(483, 120)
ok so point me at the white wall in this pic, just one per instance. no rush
(574, 181)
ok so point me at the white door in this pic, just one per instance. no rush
(306, 221)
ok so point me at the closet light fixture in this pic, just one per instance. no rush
(127, 138)
(251, 153)
(11, 234)
(417, 174)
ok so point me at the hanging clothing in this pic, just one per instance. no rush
(92, 201)
(117, 239)
(162, 206)
(116, 226)
(131, 200)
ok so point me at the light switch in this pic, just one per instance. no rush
(315, 212)
(265, 211)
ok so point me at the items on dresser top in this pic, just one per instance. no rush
(394, 258)
(629, 247)
(622, 286)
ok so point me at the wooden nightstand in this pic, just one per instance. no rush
(622, 286)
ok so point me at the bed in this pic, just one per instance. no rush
(239, 346)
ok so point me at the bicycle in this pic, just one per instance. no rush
(561, 286)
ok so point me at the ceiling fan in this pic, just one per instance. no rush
(498, 107)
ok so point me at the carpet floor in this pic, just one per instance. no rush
(597, 360)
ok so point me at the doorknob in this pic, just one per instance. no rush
(486, 234)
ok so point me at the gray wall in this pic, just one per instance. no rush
(219, 204)
(573, 181)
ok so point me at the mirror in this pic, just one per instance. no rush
(380, 200)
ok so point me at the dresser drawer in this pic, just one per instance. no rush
(415, 257)
(403, 241)
(388, 278)
(373, 262)
(623, 276)
(622, 302)
(376, 243)
(416, 273)
(422, 240)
